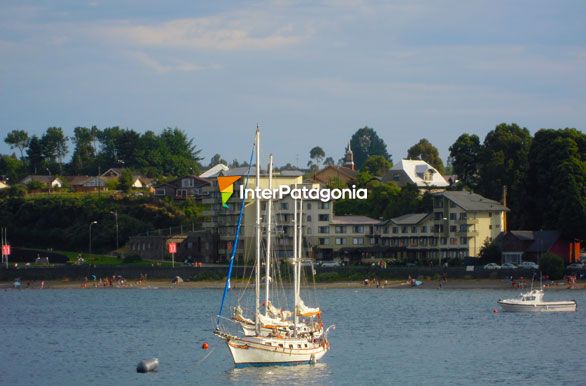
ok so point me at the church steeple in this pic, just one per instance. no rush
(349, 158)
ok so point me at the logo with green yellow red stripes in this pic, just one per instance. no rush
(226, 187)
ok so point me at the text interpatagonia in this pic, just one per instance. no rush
(304, 193)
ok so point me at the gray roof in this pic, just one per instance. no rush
(354, 220)
(242, 171)
(473, 202)
(543, 240)
(409, 219)
(290, 173)
(524, 235)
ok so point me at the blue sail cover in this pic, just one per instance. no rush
(235, 245)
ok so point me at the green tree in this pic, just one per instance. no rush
(182, 156)
(503, 161)
(108, 139)
(366, 142)
(329, 161)
(464, 155)
(18, 139)
(54, 145)
(552, 266)
(35, 157)
(125, 181)
(316, 155)
(377, 165)
(12, 168)
(83, 154)
(425, 151)
(217, 159)
(556, 183)
(490, 252)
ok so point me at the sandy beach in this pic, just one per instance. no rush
(460, 284)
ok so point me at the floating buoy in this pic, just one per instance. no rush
(494, 311)
(205, 346)
(147, 365)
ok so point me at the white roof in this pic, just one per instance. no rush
(214, 171)
(415, 169)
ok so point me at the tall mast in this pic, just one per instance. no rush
(295, 262)
(257, 224)
(300, 247)
(268, 261)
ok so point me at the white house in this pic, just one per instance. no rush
(416, 172)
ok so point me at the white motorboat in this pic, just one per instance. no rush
(532, 301)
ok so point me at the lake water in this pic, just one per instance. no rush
(383, 336)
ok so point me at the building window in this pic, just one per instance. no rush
(187, 183)
(339, 241)
(358, 229)
(309, 218)
(413, 229)
(437, 215)
(453, 228)
(395, 230)
(284, 205)
(463, 216)
(453, 241)
(463, 240)
(437, 228)
(424, 229)
(403, 229)
(340, 229)
(453, 216)
(324, 241)
(324, 205)
(324, 217)
(452, 204)
(309, 206)
(325, 229)
(357, 241)
(443, 240)
(463, 228)
(160, 192)
(396, 177)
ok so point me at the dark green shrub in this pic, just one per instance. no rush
(552, 266)
(327, 276)
(131, 259)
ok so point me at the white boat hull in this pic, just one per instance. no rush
(258, 352)
(565, 306)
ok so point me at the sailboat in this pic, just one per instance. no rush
(273, 338)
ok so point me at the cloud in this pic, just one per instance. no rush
(213, 33)
(176, 66)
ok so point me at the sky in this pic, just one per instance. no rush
(309, 73)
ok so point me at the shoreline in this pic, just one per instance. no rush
(459, 284)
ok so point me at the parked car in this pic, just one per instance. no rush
(508, 266)
(575, 266)
(528, 265)
(492, 266)
(330, 263)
